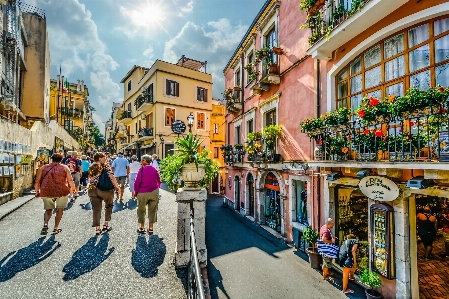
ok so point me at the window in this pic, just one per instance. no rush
(68, 125)
(200, 123)
(250, 126)
(270, 118)
(129, 134)
(250, 59)
(135, 128)
(70, 106)
(129, 85)
(237, 78)
(215, 128)
(237, 135)
(150, 93)
(169, 116)
(201, 94)
(149, 120)
(215, 152)
(270, 42)
(129, 107)
(381, 70)
(168, 150)
(172, 88)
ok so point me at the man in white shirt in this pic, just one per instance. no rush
(120, 166)
(155, 162)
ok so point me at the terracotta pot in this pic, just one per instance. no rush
(278, 51)
(315, 258)
(273, 69)
(318, 4)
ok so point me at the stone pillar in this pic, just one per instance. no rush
(182, 255)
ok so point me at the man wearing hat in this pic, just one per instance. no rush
(120, 166)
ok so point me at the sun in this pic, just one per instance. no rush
(148, 14)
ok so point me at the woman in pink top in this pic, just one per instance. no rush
(146, 189)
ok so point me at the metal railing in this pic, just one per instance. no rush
(195, 281)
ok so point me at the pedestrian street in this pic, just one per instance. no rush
(78, 264)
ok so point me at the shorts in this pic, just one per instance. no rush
(446, 237)
(327, 262)
(121, 180)
(51, 203)
(76, 178)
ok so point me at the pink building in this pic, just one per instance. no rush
(269, 82)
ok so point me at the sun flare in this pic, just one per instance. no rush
(148, 14)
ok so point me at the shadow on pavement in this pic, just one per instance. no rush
(214, 275)
(131, 204)
(27, 257)
(118, 206)
(148, 256)
(88, 257)
(182, 274)
(86, 206)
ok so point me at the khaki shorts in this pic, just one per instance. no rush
(121, 180)
(327, 262)
(76, 178)
(446, 237)
(51, 203)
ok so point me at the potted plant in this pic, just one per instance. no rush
(195, 169)
(311, 236)
(237, 88)
(372, 110)
(277, 50)
(372, 280)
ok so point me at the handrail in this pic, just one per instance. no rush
(195, 284)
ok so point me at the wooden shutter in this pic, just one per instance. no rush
(198, 94)
(140, 125)
(177, 89)
(200, 121)
(167, 87)
(169, 116)
(205, 95)
(147, 121)
(150, 120)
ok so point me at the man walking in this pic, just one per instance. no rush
(120, 166)
(326, 237)
(51, 184)
(75, 167)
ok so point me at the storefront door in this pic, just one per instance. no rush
(273, 214)
(250, 186)
(237, 193)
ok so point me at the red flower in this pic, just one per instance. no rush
(378, 133)
(443, 110)
(441, 89)
(349, 137)
(385, 138)
(400, 130)
(361, 113)
(366, 132)
(412, 123)
(320, 142)
(373, 101)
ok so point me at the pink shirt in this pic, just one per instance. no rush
(325, 232)
(147, 180)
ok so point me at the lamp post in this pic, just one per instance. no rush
(190, 120)
(162, 146)
(138, 145)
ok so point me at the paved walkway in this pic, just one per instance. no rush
(78, 264)
(245, 261)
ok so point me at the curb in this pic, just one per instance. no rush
(12, 205)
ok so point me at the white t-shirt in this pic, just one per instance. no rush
(134, 167)
(155, 164)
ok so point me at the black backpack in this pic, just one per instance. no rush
(104, 182)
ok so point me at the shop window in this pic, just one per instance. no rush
(200, 121)
(169, 116)
(272, 202)
(301, 202)
(171, 88)
(425, 54)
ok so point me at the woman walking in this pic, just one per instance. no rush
(97, 196)
(348, 260)
(134, 167)
(85, 174)
(146, 189)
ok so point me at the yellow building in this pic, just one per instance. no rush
(156, 97)
(217, 140)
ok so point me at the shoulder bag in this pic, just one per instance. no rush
(104, 181)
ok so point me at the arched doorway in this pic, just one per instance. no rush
(250, 192)
(237, 193)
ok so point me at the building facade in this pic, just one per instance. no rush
(217, 140)
(377, 59)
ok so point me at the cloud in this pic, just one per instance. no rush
(215, 43)
(186, 9)
(99, 122)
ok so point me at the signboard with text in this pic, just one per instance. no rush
(178, 127)
(379, 188)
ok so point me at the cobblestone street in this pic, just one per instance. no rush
(78, 264)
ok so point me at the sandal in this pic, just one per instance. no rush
(106, 228)
(44, 230)
(150, 231)
(348, 291)
(352, 278)
(98, 231)
(330, 279)
(56, 231)
(141, 230)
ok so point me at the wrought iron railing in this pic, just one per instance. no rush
(195, 281)
(125, 114)
(145, 132)
(142, 99)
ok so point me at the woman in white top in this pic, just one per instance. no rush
(155, 162)
(133, 169)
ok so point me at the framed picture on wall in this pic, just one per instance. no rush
(5, 170)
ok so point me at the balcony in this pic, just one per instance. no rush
(125, 117)
(270, 75)
(74, 113)
(333, 26)
(145, 134)
(144, 102)
(233, 103)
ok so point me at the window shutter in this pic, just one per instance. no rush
(140, 125)
(198, 94)
(150, 92)
(167, 87)
(150, 120)
(177, 89)
(205, 95)
(147, 121)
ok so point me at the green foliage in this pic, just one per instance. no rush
(336, 145)
(253, 136)
(372, 108)
(371, 279)
(271, 133)
(305, 5)
(310, 235)
(337, 117)
(188, 148)
(311, 125)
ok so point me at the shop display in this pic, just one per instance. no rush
(272, 203)
(382, 236)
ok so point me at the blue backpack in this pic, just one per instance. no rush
(104, 182)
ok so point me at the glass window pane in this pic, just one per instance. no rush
(395, 90)
(421, 80)
(394, 45)
(442, 75)
(375, 94)
(417, 35)
(342, 75)
(442, 49)
(419, 58)
(440, 26)
(356, 66)
(343, 103)
(373, 77)
(395, 68)
(356, 101)
(342, 89)
(372, 56)
(356, 84)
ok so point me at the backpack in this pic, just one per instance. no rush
(104, 182)
(72, 164)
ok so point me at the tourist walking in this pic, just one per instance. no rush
(75, 166)
(427, 230)
(133, 169)
(445, 224)
(120, 167)
(51, 184)
(101, 190)
(155, 162)
(326, 237)
(85, 173)
(146, 190)
(348, 260)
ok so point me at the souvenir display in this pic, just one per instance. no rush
(19, 148)
(18, 159)
(11, 170)
(1, 145)
(11, 159)
(382, 234)
(5, 170)
(18, 170)
(5, 158)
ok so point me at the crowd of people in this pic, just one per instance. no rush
(102, 176)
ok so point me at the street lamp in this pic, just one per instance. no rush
(162, 146)
(138, 145)
(190, 120)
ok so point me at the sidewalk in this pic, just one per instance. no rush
(12, 205)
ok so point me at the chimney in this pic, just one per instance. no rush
(58, 81)
(78, 86)
(82, 85)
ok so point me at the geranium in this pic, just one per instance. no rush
(372, 110)
(366, 132)
(443, 110)
(373, 101)
(361, 114)
(378, 133)
(345, 150)
(391, 99)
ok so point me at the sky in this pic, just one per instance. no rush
(99, 41)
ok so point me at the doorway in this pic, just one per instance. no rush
(216, 184)
(250, 192)
(237, 192)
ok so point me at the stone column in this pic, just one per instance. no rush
(182, 255)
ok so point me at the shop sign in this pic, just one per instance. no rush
(379, 188)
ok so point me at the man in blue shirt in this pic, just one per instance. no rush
(120, 166)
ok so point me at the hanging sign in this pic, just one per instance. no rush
(178, 127)
(379, 188)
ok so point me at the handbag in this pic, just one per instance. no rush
(104, 182)
(349, 262)
(329, 250)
